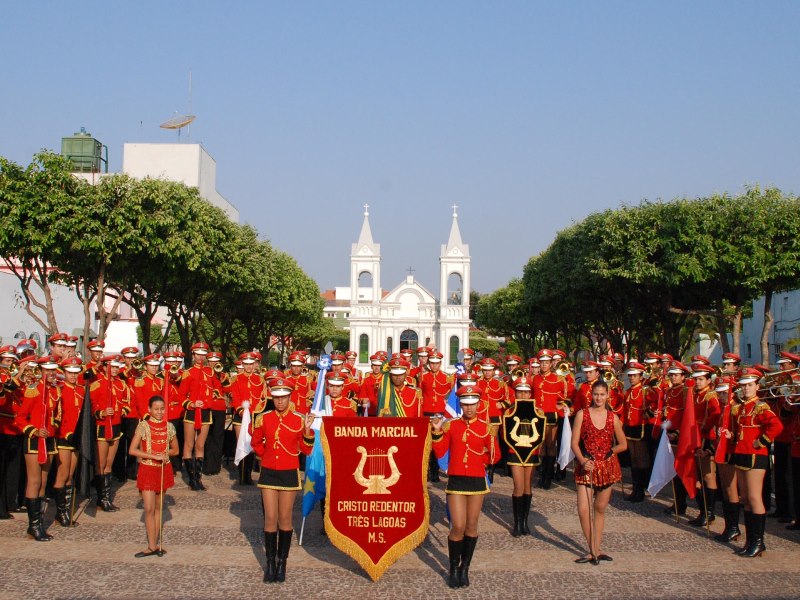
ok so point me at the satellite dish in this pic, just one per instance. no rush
(177, 122)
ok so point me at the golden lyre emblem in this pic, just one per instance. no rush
(376, 482)
(524, 440)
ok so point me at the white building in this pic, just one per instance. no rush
(786, 313)
(409, 315)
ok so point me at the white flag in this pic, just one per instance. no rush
(565, 453)
(243, 447)
(663, 466)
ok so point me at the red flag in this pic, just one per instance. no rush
(688, 442)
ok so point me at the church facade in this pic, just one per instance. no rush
(409, 316)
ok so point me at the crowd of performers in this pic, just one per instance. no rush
(153, 418)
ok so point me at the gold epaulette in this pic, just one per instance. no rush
(257, 420)
(139, 382)
(760, 407)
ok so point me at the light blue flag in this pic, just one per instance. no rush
(314, 484)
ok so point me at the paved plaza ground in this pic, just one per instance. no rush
(214, 543)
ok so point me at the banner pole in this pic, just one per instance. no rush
(302, 529)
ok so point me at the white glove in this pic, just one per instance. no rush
(666, 425)
(246, 404)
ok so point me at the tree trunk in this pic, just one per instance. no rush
(722, 327)
(768, 321)
(737, 331)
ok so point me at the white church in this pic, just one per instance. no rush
(409, 315)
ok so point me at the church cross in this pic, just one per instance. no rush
(366, 210)
(455, 208)
(411, 271)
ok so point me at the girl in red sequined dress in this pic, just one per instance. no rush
(153, 444)
(593, 435)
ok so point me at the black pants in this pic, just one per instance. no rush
(124, 466)
(10, 467)
(214, 443)
(177, 461)
(782, 477)
(796, 487)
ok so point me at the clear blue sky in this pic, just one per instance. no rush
(528, 115)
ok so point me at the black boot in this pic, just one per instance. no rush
(731, 532)
(108, 505)
(748, 532)
(711, 502)
(525, 504)
(62, 512)
(702, 518)
(271, 551)
(516, 506)
(284, 542)
(198, 474)
(70, 495)
(246, 470)
(35, 526)
(188, 463)
(454, 550)
(755, 547)
(98, 487)
(466, 557)
(547, 472)
(639, 477)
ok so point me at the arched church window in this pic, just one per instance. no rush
(364, 291)
(453, 349)
(389, 345)
(363, 348)
(455, 286)
(409, 340)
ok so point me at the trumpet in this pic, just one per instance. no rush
(218, 368)
(173, 369)
(563, 369)
(610, 377)
(304, 371)
(518, 372)
(13, 370)
(137, 363)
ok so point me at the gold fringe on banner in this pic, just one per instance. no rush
(404, 546)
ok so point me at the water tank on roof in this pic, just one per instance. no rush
(87, 154)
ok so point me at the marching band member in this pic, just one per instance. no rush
(110, 398)
(472, 449)
(250, 387)
(582, 397)
(219, 411)
(196, 391)
(153, 443)
(522, 469)
(175, 411)
(634, 419)
(674, 403)
(408, 396)
(72, 397)
(754, 427)
(707, 412)
(279, 437)
(795, 456)
(341, 405)
(38, 418)
(730, 363)
(551, 393)
(723, 458)
(302, 381)
(10, 435)
(597, 438)
(368, 392)
(435, 387)
(782, 446)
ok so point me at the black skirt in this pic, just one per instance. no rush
(634, 432)
(551, 418)
(745, 462)
(32, 445)
(205, 416)
(466, 485)
(66, 444)
(116, 432)
(279, 479)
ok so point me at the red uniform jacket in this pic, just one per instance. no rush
(35, 413)
(10, 404)
(471, 445)
(673, 404)
(197, 384)
(144, 388)
(635, 405)
(494, 398)
(369, 391)
(411, 399)
(754, 420)
(435, 389)
(549, 390)
(248, 387)
(582, 398)
(707, 412)
(343, 407)
(106, 394)
(278, 439)
(72, 397)
(303, 392)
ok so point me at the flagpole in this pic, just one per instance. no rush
(302, 529)
(703, 490)
(675, 502)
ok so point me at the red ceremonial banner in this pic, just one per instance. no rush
(377, 506)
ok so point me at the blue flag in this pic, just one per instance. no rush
(314, 484)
